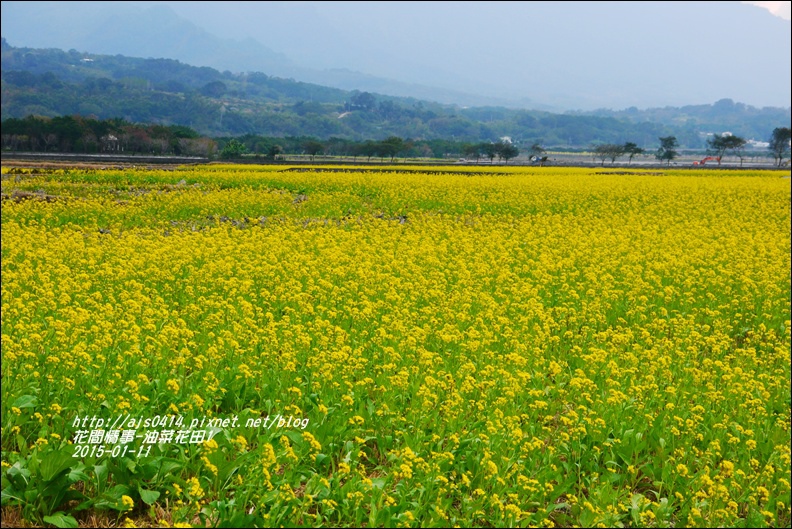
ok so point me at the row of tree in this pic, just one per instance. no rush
(717, 146)
(76, 134)
(667, 152)
(88, 135)
(388, 148)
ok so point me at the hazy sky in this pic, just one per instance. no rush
(779, 9)
(565, 55)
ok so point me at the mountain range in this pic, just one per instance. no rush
(555, 56)
(52, 82)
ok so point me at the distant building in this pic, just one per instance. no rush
(754, 144)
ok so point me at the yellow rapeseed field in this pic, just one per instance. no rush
(405, 346)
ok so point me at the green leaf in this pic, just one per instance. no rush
(78, 474)
(148, 496)
(321, 460)
(60, 519)
(54, 463)
(226, 469)
(239, 520)
(25, 401)
(8, 495)
(295, 437)
(22, 445)
(18, 475)
(101, 472)
(168, 466)
(118, 491)
(269, 497)
(112, 498)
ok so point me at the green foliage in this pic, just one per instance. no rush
(608, 151)
(391, 147)
(506, 150)
(214, 89)
(40, 481)
(489, 150)
(632, 150)
(313, 147)
(273, 151)
(536, 149)
(56, 83)
(720, 144)
(668, 149)
(233, 149)
(779, 143)
(75, 134)
(741, 119)
(470, 150)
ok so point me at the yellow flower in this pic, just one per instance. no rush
(194, 488)
(127, 502)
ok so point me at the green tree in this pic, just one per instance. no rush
(233, 149)
(506, 150)
(718, 145)
(537, 150)
(632, 150)
(668, 149)
(368, 149)
(737, 147)
(490, 150)
(312, 148)
(608, 151)
(363, 100)
(273, 151)
(470, 150)
(392, 146)
(214, 89)
(779, 144)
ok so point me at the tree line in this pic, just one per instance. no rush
(387, 149)
(717, 146)
(77, 134)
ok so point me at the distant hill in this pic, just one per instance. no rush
(158, 32)
(724, 115)
(541, 55)
(51, 82)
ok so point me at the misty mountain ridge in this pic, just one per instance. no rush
(553, 56)
(149, 32)
(51, 82)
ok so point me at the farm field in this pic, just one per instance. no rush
(237, 345)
